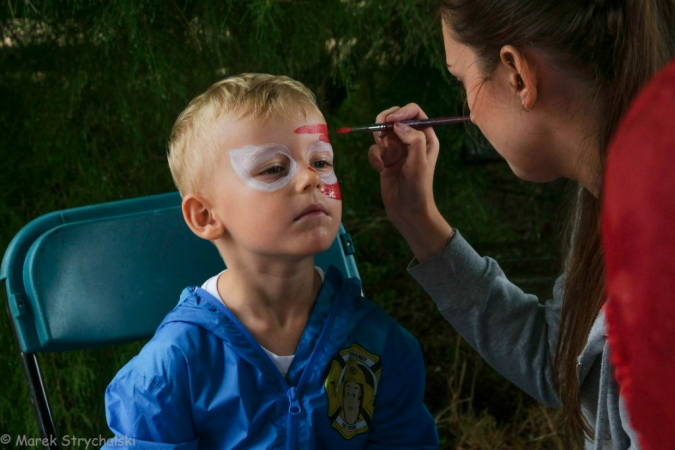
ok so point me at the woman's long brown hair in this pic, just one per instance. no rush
(616, 46)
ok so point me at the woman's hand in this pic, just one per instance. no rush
(406, 159)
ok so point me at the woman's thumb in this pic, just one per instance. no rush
(414, 139)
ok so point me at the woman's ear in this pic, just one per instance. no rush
(522, 75)
(199, 217)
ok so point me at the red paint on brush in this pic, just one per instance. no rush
(320, 129)
(331, 191)
(343, 130)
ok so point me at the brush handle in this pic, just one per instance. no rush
(416, 124)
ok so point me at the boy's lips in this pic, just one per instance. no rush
(315, 209)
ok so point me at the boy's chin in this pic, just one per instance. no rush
(317, 246)
(306, 244)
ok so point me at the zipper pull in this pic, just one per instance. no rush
(294, 406)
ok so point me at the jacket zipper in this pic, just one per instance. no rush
(292, 393)
(294, 408)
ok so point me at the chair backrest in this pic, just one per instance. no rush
(109, 273)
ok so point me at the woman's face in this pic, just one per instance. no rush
(496, 108)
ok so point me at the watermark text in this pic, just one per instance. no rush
(68, 441)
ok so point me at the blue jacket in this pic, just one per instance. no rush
(203, 382)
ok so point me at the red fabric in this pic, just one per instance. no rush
(638, 228)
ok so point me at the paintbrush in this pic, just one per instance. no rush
(416, 124)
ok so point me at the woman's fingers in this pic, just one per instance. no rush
(432, 143)
(408, 112)
(418, 147)
(388, 153)
(375, 157)
(416, 142)
(381, 117)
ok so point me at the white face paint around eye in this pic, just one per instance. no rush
(323, 147)
(246, 159)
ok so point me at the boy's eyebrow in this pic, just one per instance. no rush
(320, 129)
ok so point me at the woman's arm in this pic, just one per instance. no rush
(510, 329)
(406, 160)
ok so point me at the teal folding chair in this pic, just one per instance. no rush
(107, 274)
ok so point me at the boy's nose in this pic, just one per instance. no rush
(309, 179)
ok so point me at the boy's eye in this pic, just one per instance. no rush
(321, 165)
(273, 170)
(269, 173)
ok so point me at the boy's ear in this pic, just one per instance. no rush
(522, 75)
(198, 216)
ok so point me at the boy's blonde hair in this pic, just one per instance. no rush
(192, 147)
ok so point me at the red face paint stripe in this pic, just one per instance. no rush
(320, 128)
(331, 191)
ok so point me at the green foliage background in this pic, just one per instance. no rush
(89, 91)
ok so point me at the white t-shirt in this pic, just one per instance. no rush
(281, 362)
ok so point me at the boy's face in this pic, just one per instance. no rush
(274, 187)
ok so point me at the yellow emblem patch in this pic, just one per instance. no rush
(351, 387)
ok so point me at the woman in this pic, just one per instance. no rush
(547, 83)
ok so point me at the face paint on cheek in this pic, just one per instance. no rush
(329, 182)
(244, 161)
(331, 191)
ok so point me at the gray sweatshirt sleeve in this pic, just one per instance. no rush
(510, 329)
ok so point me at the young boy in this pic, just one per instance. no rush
(272, 352)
